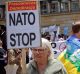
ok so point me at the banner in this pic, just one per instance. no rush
(70, 57)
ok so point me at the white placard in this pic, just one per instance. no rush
(23, 29)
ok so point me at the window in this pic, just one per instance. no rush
(74, 5)
(2, 11)
(64, 6)
(53, 7)
(43, 7)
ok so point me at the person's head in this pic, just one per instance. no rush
(76, 29)
(44, 52)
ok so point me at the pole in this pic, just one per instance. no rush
(24, 61)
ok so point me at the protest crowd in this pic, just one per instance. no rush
(41, 59)
(25, 48)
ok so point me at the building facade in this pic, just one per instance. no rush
(59, 12)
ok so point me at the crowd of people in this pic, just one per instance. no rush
(42, 58)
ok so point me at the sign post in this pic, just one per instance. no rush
(23, 62)
(23, 29)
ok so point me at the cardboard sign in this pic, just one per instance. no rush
(23, 29)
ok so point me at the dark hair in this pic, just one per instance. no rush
(76, 28)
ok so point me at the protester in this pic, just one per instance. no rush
(3, 38)
(73, 41)
(69, 56)
(14, 62)
(60, 37)
(43, 61)
(2, 59)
